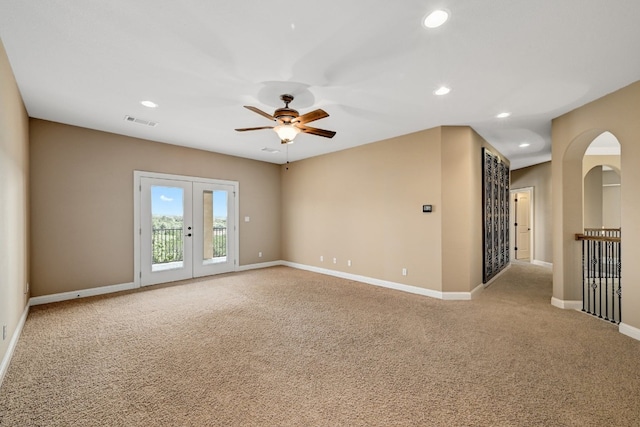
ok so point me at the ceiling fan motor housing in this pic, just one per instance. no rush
(285, 114)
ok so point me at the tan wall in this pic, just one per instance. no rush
(462, 250)
(572, 133)
(538, 177)
(82, 203)
(590, 161)
(365, 205)
(610, 203)
(610, 195)
(592, 198)
(14, 175)
(601, 200)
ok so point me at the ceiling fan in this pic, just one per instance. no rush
(290, 123)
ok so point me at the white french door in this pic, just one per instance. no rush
(214, 243)
(186, 227)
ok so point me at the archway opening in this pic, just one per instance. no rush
(601, 183)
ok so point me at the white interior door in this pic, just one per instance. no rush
(523, 226)
(166, 250)
(187, 227)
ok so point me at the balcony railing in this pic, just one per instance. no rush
(601, 273)
(168, 244)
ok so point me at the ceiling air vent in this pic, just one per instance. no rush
(141, 121)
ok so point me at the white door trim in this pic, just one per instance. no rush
(137, 175)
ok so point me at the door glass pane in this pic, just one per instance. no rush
(214, 206)
(167, 237)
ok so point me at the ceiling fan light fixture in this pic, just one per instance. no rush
(287, 133)
(436, 18)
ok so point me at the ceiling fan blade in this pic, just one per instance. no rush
(316, 131)
(311, 116)
(258, 128)
(259, 111)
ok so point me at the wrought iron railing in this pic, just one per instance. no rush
(168, 243)
(219, 242)
(601, 273)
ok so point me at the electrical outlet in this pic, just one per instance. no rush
(348, 263)
(404, 271)
(335, 260)
(321, 258)
(26, 288)
(259, 254)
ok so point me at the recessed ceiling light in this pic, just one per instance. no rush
(443, 90)
(436, 18)
(149, 104)
(503, 115)
(524, 144)
(270, 150)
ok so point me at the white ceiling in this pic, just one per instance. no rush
(605, 144)
(370, 64)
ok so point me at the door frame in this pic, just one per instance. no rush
(512, 212)
(137, 226)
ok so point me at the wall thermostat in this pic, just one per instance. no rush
(427, 208)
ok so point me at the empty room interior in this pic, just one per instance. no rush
(319, 214)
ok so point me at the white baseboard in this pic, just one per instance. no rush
(83, 293)
(494, 278)
(259, 265)
(566, 305)
(450, 296)
(383, 283)
(542, 263)
(455, 296)
(6, 360)
(477, 291)
(629, 331)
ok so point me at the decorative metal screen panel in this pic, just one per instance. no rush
(495, 209)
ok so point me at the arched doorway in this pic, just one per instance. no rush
(602, 183)
(571, 135)
(587, 160)
(601, 236)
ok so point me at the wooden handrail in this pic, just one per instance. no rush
(580, 236)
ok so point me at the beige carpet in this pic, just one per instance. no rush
(283, 347)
